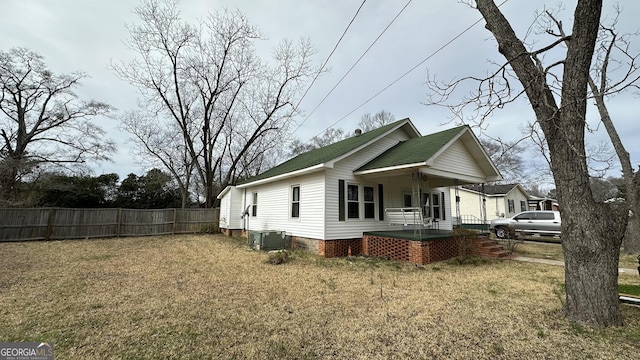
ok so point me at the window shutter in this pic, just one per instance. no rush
(442, 206)
(380, 203)
(341, 200)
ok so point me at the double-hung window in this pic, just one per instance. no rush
(511, 206)
(353, 203)
(254, 205)
(295, 201)
(369, 204)
(435, 205)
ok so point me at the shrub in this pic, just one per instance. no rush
(512, 241)
(279, 257)
(464, 237)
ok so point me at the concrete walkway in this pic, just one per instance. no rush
(561, 263)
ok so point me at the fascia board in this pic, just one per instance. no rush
(390, 168)
(285, 176)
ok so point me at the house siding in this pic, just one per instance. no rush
(457, 159)
(231, 209)
(274, 206)
(496, 205)
(343, 170)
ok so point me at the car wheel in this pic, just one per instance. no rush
(501, 233)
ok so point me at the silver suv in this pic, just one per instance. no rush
(542, 222)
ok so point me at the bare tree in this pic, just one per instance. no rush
(209, 82)
(557, 92)
(328, 137)
(602, 85)
(370, 122)
(507, 156)
(42, 120)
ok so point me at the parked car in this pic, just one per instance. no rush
(541, 222)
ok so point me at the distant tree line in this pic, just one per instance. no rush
(154, 190)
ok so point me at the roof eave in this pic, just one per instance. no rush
(390, 168)
(304, 171)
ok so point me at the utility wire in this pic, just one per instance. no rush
(329, 57)
(354, 65)
(409, 71)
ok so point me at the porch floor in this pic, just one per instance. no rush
(426, 234)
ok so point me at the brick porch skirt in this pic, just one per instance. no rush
(418, 252)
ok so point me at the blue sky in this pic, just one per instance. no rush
(88, 34)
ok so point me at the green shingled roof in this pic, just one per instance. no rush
(412, 151)
(324, 154)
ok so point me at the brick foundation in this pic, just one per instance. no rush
(418, 252)
(338, 248)
(414, 251)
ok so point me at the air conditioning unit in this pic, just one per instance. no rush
(268, 240)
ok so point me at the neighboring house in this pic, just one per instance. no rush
(504, 200)
(332, 195)
(543, 203)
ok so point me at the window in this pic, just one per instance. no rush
(524, 216)
(523, 205)
(511, 206)
(406, 200)
(369, 205)
(353, 204)
(426, 207)
(295, 202)
(544, 216)
(254, 205)
(436, 205)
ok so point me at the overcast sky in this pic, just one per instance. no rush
(88, 34)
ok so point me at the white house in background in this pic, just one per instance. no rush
(336, 193)
(500, 201)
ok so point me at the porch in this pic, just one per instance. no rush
(406, 245)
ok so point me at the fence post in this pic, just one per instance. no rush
(173, 228)
(49, 229)
(119, 224)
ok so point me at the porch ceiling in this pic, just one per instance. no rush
(433, 177)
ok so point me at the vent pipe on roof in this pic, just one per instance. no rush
(358, 132)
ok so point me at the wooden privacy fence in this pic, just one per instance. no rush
(62, 223)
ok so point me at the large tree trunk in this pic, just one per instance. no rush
(591, 246)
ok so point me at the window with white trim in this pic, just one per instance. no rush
(512, 207)
(435, 205)
(523, 205)
(295, 201)
(369, 203)
(353, 202)
(254, 205)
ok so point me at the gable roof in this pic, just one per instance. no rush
(315, 159)
(413, 151)
(495, 190)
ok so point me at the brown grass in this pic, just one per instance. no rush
(554, 252)
(210, 297)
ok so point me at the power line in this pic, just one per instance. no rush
(329, 57)
(354, 65)
(409, 71)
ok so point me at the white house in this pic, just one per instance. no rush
(494, 201)
(329, 197)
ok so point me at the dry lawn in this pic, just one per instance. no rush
(554, 252)
(206, 296)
